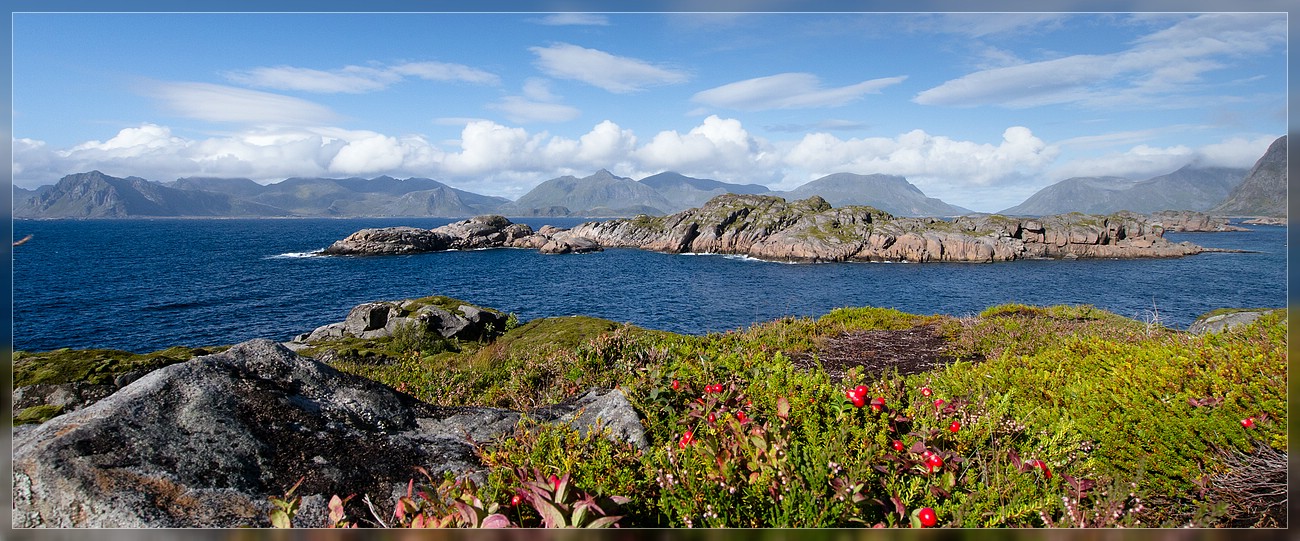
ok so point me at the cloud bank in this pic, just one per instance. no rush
(496, 159)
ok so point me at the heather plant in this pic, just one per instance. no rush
(1062, 416)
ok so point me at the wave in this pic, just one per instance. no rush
(297, 255)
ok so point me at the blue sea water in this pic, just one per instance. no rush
(143, 285)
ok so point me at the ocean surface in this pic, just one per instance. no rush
(144, 285)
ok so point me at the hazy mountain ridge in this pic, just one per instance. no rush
(687, 192)
(602, 192)
(1189, 188)
(96, 195)
(1264, 190)
(890, 193)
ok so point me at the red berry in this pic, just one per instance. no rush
(878, 403)
(925, 391)
(858, 401)
(712, 418)
(935, 461)
(938, 402)
(676, 385)
(898, 445)
(927, 517)
(515, 500)
(954, 427)
(687, 439)
(1248, 422)
(740, 416)
(861, 390)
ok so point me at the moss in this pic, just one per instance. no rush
(553, 333)
(37, 414)
(439, 301)
(96, 366)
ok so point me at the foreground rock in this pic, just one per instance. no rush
(1220, 321)
(204, 443)
(770, 228)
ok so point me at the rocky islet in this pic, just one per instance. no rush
(810, 230)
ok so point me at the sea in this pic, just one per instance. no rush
(142, 285)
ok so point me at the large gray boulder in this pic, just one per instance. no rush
(205, 442)
(1217, 323)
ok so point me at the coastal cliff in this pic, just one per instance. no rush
(808, 230)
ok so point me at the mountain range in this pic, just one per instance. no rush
(1189, 188)
(1263, 192)
(603, 194)
(1260, 191)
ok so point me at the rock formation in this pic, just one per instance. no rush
(382, 319)
(1225, 320)
(1190, 221)
(490, 231)
(811, 230)
(204, 443)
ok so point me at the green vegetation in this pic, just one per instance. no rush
(96, 366)
(37, 414)
(1048, 416)
(1068, 416)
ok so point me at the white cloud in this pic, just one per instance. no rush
(538, 104)
(617, 74)
(1145, 161)
(1158, 68)
(356, 79)
(521, 110)
(217, 103)
(496, 159)
(925, 158)
(715, 145)
(574, 19)
(788, 91)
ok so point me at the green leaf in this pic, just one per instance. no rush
(604, 522)
(551, 516)
(279, 519)
(496, 520)
(579, 512)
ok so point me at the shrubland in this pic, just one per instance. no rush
(1060, 416)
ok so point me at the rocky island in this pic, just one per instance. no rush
(808, 230)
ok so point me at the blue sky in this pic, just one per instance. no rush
(980, 110)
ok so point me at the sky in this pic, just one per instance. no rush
(980, 110)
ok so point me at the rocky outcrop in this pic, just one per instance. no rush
(1220, 321)
(476, 233)
(383, 319)
(204, 443)
(811, 230)
(1265, 220)
(1191, 221)
(488, 231)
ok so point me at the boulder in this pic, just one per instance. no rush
(204, 443)
(370, 320)
(1211, 324)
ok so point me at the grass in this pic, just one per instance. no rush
(96, 366)
(1114, 408)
